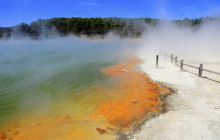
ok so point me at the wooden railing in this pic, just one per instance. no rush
(181, 64)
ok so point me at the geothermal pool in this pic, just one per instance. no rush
(69, 88)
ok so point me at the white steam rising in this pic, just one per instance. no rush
(201, 44)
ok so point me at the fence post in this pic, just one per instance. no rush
(176, 61)
(181, 65)
(200, 70)
(157, 58)
(171, 58)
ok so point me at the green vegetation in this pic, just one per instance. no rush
(124, 27)
(4, 31)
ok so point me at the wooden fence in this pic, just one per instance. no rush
(181, 64)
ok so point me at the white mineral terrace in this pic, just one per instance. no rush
(193, 113)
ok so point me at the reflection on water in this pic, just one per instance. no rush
(56, 80)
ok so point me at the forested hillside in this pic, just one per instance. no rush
(124, 27)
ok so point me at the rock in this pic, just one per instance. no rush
(125, 70)
(134, 101)
(2, 136)
(101, 131)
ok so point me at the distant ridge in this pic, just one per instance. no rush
(124, 27)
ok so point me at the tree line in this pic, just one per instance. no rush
(124, 27)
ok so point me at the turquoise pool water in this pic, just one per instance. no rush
(36, 76)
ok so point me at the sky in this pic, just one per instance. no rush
(13, 12)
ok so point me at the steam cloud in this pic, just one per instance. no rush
(200, 44)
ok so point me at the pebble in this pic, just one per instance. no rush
(134, 101)
(125, 70)
(101, 131)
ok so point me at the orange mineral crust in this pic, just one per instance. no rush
(135, 96)
(125, 100)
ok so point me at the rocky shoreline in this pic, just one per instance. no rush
(164, 109)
